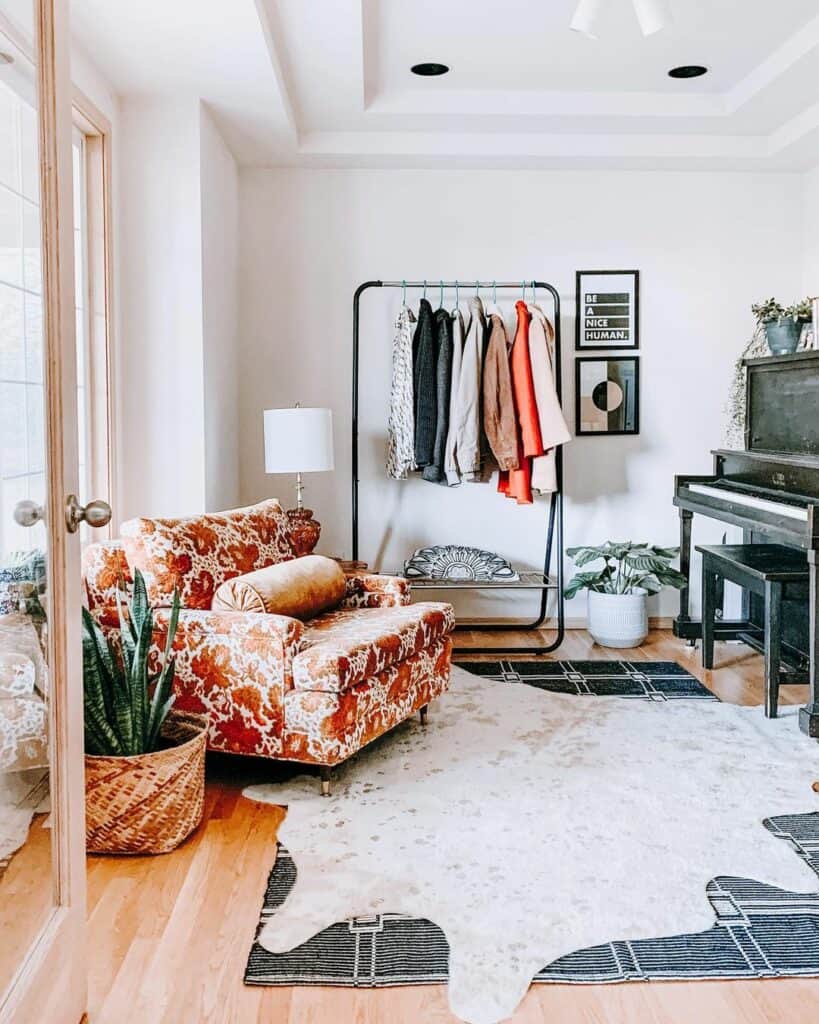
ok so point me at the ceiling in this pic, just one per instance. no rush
(327, 82)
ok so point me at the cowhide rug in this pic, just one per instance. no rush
(529, 824)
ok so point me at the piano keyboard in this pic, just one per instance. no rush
(738, 498)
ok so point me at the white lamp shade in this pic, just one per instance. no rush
(298, 440)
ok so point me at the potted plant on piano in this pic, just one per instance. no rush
(783, 325)
(618, 587)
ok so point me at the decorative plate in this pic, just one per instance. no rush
(455, 562)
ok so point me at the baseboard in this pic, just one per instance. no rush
(654, 621)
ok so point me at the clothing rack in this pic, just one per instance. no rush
(554, 533)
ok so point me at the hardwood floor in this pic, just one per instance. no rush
(169, 936)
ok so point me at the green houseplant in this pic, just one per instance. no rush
(783, 324)
(144, 762)
(619, 586)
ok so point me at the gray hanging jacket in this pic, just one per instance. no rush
(424, 360)
(434, 472)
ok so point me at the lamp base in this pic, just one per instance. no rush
(304, 530)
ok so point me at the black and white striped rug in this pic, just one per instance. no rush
(650, 680)
(760, 931)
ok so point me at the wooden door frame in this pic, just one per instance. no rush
(51, 983)
(96, 129)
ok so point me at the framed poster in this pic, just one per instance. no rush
(608, 309)
(607, 395)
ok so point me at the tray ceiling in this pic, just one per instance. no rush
(328, 83)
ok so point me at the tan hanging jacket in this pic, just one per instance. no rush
(468, 432)
(553, 428)
(498, 401)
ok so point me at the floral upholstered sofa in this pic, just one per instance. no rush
(273, 686)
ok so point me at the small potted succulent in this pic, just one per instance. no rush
(783, 324)
(619, 587)
(144, 762)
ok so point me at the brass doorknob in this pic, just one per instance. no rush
(95, 513)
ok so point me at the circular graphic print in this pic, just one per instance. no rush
(607, 395)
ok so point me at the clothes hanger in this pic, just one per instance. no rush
(425, 288)
(441, 297)
(404, 292)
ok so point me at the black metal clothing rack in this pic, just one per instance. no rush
(554, 534)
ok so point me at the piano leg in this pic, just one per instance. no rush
(686, 518)
(773, 641)
(709, 612)
(809, 714)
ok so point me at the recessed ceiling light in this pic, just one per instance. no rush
(429, 70)
(688, 71)
(6, 58)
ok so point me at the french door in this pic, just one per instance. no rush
(42, 862)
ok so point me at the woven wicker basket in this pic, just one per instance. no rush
(148, 803)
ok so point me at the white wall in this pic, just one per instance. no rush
(810, 227)
(707, 245)
(220, 225)
(159, 349)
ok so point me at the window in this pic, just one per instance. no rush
(22, 454)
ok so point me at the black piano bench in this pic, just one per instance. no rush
(774, 572)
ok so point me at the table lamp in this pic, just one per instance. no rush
(299, 441)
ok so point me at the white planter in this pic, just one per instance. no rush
(618, 620)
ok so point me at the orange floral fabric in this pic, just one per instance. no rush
(198, 554)
(341, 648)
(369, 590)
(343, 678)
(326, 728)
(103, 566)
(234, 667)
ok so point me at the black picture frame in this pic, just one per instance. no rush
(631, 329)
(608, 432)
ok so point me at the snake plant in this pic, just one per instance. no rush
(125, 703)
(626, 566)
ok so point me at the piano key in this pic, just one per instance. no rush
(749, 501)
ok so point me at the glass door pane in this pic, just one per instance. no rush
(26, 871)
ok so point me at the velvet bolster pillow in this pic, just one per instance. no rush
(299, 587)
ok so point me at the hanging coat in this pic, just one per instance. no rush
(401, 425)
(517, 484)
(553, 428)
(499, 416)
(524, 387)
(424, 352)
(453, 475)
(468, 436)
(434, 472)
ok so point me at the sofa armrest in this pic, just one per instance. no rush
(372, 590)
(235, 667)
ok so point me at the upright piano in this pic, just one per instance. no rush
(771, 491)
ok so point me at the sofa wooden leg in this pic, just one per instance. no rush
(424, 713)
(326, 774)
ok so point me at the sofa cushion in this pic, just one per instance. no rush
(301, 588)
(343, 647)
(328, 727)
(199, 553)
